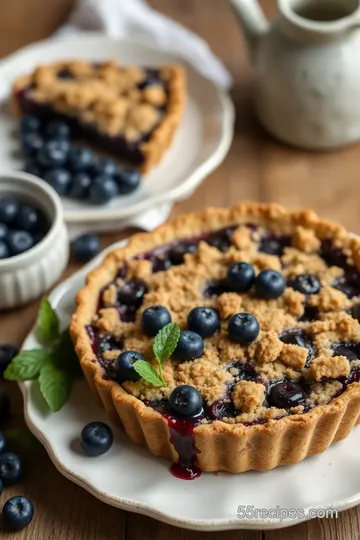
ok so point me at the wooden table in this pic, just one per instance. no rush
(256, 168)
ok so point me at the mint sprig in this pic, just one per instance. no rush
(48, 322)
(53, 366)
(55, 386)
(148, 372)
(27, 365)
(164, 345)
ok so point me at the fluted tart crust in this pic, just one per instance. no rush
(242, 428)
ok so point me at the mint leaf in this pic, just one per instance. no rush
(165, 342)
(55, 386)
(65, 357)
(147, 372)
(27, 365)
(48, 322)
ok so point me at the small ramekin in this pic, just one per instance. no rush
(29, 275)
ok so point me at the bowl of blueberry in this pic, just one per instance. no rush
(34, 246)
(73, 170)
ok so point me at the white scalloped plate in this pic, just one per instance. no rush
(128, 477)
(200, 144)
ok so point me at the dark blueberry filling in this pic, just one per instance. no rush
(273, 244)
(349, 284)
(310, 314)
(215, 288)
(350, 350)
(297, 336)
(286, 394)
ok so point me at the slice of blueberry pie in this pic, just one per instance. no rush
(128, 111)
(228, 339)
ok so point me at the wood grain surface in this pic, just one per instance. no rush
(256, 168)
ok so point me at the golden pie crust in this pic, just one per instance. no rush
(233, 447)
(107, 95)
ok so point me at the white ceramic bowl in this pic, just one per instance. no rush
(27, 276)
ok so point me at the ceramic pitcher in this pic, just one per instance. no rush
(307, 66)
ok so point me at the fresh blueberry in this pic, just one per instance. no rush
(3, 445)
(20, 241)
(7, 353)
(80, 158)
(132, 292)
(85, 247)
(243, 328)
(204, 321)
(306, 284)
(103, 189)
(59, 179)
(4, 250)
(285, 395)
(4, 230)
(96, 438)
(32, 167)
(269, 284)
(17, 513)
(32, 143)
(154, 318)
(105, 166)
(80, 185)
(241, 276)
(9, 208)
(189, 347)
(53, 154)
(11, 469)
(5, 408)
(58, 128)
(186, 400)
(128, 180)
(124, 366)
(179, 250)
(28, 218)
(29, 124)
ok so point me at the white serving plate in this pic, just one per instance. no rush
(200, 145)
(129, 477)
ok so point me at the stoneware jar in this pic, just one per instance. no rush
(307, 70)
(27, 276)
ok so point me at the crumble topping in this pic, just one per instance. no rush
(331, 367)
(235, 374)
(248, 396)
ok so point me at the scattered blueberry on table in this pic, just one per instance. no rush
(72, 170)
(11, 469)
(96, 438)
(17, 513)
(85, 247)
(22, 226)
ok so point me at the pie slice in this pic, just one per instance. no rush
(130, 112)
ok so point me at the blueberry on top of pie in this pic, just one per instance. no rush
(131, 112)
(266, 368)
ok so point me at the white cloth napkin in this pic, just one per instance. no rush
(136, 19)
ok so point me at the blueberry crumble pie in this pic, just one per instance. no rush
(131, 112)
(265, 368)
